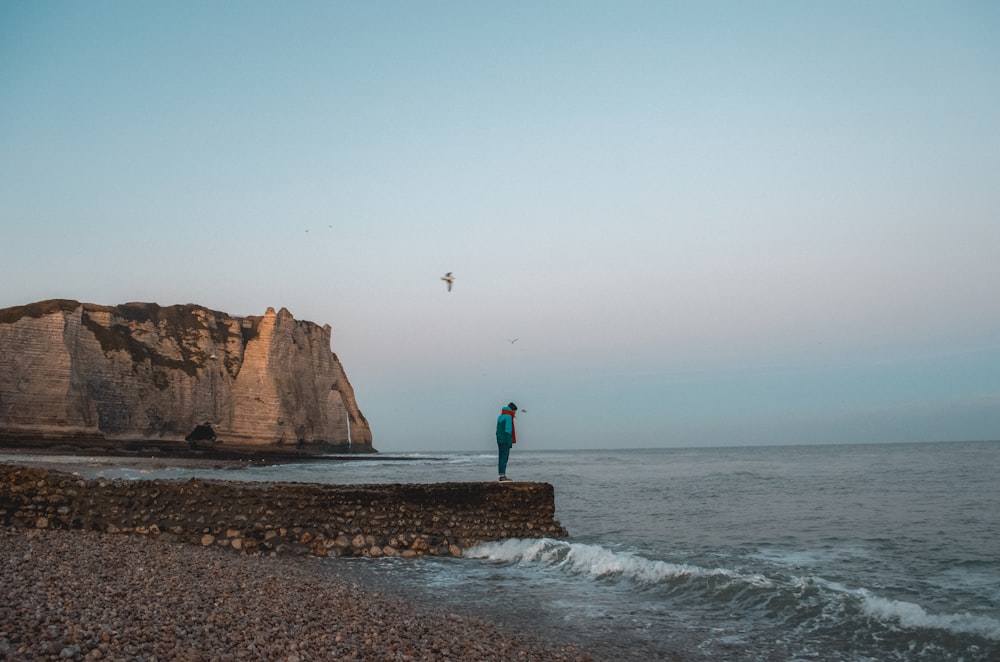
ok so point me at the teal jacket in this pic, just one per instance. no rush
(505, 428)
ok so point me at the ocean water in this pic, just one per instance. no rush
(855, 552)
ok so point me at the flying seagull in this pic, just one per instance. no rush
(448, 278)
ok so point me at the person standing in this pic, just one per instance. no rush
(506, 437)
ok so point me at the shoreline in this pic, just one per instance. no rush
(87, 596)
(69, 462)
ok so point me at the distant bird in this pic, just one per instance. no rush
(448, 278)
(512, 341)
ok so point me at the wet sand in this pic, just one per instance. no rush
(72, 462)
(68, 463)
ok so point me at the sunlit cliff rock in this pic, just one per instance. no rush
(175, 376)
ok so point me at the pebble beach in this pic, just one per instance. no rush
(93, 596)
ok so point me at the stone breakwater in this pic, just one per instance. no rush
(284, 518)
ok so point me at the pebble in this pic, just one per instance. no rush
(82, 595)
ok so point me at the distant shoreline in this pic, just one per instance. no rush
(68, 459)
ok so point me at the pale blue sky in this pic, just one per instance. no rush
(706, 223)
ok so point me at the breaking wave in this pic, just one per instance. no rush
(804, 602)
(599, 562)
(910, 615)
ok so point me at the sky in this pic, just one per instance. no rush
(704, 223)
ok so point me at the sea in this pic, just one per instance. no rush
(834, 552)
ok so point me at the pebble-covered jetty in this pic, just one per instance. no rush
(284, 518)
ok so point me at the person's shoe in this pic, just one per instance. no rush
(504, 479)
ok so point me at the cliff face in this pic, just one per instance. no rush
(173, 375)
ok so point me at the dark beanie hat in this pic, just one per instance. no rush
(512, 406)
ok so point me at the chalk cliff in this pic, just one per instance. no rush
(142, 375)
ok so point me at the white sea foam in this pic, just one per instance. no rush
(911, 615)
(598, 562)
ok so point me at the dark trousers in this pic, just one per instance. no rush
(504, 451)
